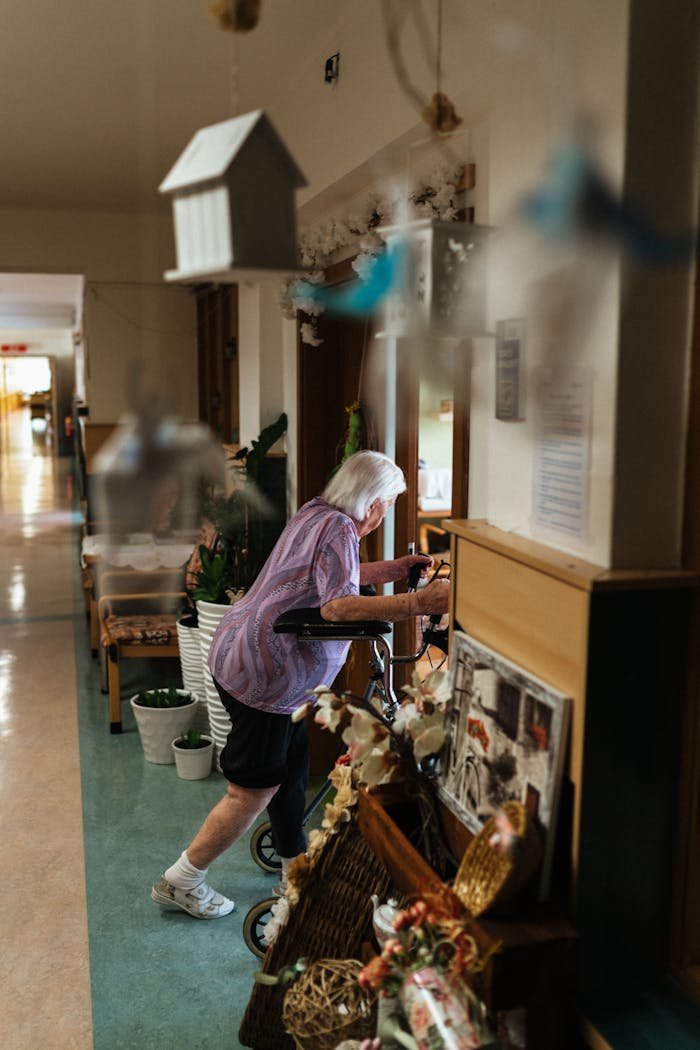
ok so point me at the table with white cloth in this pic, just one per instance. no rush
(144, 554)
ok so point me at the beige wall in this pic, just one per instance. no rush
(138, 330)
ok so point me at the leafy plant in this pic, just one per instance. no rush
(163, 698)
(213, 579)
(241, 521)
(191, 740)
(261, 446)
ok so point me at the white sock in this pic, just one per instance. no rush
(183, 874)
(286, 861)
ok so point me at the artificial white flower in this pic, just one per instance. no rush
(405, 716)
(435, 688)
(429, 741)
(362, 264)
(308, 335)
(279, 913)
(329, 708)
(363, 734)
(424, 728)
(379, 766)
(301, 712)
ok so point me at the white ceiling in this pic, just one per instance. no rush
(100, 97)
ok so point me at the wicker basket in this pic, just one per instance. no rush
(327, 1005)
(331, 920)
(487, 879)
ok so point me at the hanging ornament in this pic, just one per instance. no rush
(440, 115)
(236, 16)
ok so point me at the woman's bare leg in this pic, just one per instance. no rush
(229, 819)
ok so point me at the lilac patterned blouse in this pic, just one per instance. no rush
(315, 560)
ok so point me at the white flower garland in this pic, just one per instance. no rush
(437, 197)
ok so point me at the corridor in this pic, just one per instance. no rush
(88, 960)
(45, 970)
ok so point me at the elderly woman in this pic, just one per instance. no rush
(262, 677)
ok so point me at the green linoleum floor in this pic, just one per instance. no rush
(160, 979)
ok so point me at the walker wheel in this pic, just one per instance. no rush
(262, 850)
(254, 926)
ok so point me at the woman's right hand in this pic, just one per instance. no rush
(434, 597)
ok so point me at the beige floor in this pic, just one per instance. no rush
(44, 972)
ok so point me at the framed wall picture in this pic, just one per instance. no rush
(510, 370)
(507, 735)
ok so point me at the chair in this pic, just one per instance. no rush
(432, 539)
(138, 613)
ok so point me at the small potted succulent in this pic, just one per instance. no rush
(193, 755)
(161, 715)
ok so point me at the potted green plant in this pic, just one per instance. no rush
(161, 715)
(247, 523)
(193, 754)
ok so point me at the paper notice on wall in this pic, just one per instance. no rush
(562, 452)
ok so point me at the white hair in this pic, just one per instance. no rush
(363, 479)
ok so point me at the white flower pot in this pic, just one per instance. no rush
(158, 727)
(192, 670)
(209, 615)
(193, 763)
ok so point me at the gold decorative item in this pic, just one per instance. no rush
(327, 1005)
(499, 860)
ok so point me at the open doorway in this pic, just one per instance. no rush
(41, 317)
(435, 440)
(27, 404)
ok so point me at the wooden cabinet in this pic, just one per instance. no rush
(615, 642)
(533, 965)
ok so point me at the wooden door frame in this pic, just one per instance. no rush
(217, 359)
(685, 942)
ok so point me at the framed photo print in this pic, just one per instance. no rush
(507, 735)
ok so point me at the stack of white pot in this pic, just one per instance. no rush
(192, 670)
(219, 722)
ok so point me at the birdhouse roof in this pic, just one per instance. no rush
(214, 149)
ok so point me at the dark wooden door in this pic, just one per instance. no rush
(217, 358)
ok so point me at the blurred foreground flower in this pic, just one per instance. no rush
(381, 751)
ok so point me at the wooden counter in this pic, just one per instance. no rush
(615, 642)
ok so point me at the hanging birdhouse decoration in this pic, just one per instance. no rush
(444, 285)
(233, 202)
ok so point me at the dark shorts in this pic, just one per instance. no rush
(262, 749)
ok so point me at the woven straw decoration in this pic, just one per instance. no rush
(487, 878)
(331, 920)
(326, 1005)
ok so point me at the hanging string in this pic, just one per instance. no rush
(235, 77)
(392, 34)
(438, 71)
(365, 334)
(440, 113)
(99, 298)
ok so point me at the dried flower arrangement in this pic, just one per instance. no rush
(335, 814)
(429, 966)
(404, 749)
(379, 752)
(433, 931)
